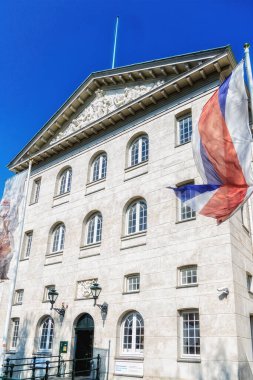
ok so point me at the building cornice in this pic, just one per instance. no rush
(178, 72)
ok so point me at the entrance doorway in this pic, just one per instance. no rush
(84, 334)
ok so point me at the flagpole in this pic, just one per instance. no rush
(250, 82)
(249, 75)
(115, 42)
(3, 349)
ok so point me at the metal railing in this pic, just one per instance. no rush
(44, 367)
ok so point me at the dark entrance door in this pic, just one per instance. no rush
(84, 334)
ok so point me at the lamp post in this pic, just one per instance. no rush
(52, 296)
(95, 291)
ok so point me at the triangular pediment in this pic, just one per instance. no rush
(105, 102)
(108, 97)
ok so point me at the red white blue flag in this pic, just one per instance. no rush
(221, 143)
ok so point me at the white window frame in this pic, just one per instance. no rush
(36, 190)
(19, 294)
(184, 210)
(46, 291)
(132, 351)
(179, 121)
(138, 226)
(191, 269)
(48, 335)
(138, 142)
(249, 282)
(136, 278)
(65, 182)
(27, 244)
(97, 175)
(185, 313)
(14, 333)
(59, 245)
(93, 239)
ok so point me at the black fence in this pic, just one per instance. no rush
(44, 367)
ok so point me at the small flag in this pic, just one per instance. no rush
(221, 145)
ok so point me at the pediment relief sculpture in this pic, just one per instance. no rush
(104, 103)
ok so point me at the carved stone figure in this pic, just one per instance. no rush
(103, 104)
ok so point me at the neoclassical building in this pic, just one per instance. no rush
(99, 211)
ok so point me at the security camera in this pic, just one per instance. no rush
(223, 292)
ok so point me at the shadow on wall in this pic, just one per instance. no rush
(220, 368)
(104, 355)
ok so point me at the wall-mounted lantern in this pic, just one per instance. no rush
(95, 291)
(52, 296)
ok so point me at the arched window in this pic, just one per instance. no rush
(65, 181)
(46, 334)
(132, 334)
(94, 228)
(58, 238)
(138, 151)
(99, 166)
(136, 217)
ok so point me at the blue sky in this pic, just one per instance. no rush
(48, 47)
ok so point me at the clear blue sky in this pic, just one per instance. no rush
(48, 47)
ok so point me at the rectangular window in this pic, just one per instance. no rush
(184, 211)
(18, 300)
(46, 291)
(132, 283)
(190, 333)
(188, 275)
(27, 244)
(184, 129)
(36, 190)
(249, 283)
(15, 330)
(251, 331)
(245, 216)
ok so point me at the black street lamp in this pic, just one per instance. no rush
(52, 296)
(95, 291)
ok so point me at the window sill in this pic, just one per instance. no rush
(136, 291)
(136, 171)
(189, 360)
(94, 187)
(133, 236)
(89, 250)
(24, 259)
(90, 246)
(60, 199)
(53, 258)
(130, 357)
(12, 351)
(17, 304)
(33, 203)
(187, 286)
(133, 240)
(185, 220)
(182, 144)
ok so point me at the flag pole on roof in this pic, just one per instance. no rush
(115, 42)
(249, 75)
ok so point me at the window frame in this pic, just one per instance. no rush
(35, 190)
(14, 333)
(141, 156)
(28, 237)
(130, 224)
(180, 206)
(185, 268)
(102, 168)
(133, 351)
(183, 355)
(97, 216)
(249, 282)
(61, 238)
(127, 284)
(49, 336)
(179, 119)
(64, 181)
(18, 293)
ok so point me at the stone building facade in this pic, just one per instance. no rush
(99, 210)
